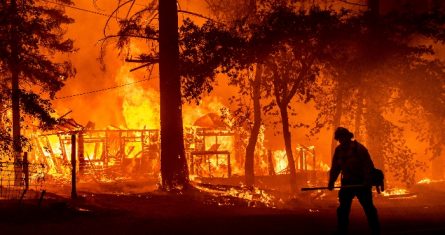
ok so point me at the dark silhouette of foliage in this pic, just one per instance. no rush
(31, 34)
(291, 45)
(386, 61)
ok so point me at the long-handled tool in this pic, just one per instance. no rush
(337, 187)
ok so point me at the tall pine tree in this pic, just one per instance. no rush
(31, 35)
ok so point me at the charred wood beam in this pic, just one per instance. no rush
(73, 167)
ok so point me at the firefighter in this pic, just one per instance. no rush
(353, 161)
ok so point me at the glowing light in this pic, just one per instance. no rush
(425, 181)
(398, 193)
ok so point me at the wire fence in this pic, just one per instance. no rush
(21, 180)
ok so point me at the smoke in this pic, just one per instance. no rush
(135, 105)
(124, 102)
(98, 107)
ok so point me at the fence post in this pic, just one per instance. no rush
(73, 167)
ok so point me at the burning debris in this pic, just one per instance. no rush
(398, 193)
(253, 197)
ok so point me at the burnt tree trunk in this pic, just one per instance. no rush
(15, 92)
(288, 145)
(376, 134)
(250, 149)
(358, 115)
(374, 119)
(438, 164)
(173, 162)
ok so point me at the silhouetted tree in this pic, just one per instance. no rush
(306, 45)
(291, 46)
(383, 52)
(31, 33)
(164, 49)
(173, 163)
(236, 13)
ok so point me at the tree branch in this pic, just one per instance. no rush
(195, 14)
(128, 35)
(151, 61)
(140, 67)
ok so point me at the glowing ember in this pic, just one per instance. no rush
(425, 181)
(255, 197)
(395, 191)
(398, 193)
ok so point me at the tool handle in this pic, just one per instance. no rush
(340, 187)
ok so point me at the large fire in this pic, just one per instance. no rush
(140, 106)
(127, 145)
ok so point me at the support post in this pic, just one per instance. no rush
(229, 167)
(301, 159)
(81, 151)
(314, 163)
(270, 165)
(73, 166)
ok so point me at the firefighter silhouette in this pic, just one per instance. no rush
(353, 161)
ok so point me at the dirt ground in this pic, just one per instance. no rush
(197, 212)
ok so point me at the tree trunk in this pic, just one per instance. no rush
(250, 149)
(358, 115)
(438, 164)
(288, 145)
(337, 117)
(15, 93)
(173, 162)
(375, 136)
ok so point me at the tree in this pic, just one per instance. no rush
(236, 13)
(288, 48)
(382, 53)
(31, 34)
(304, 47)
(186, 70)
(173, 163)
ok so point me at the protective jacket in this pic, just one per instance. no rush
(353, 161)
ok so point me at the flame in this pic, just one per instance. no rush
(425, 181)
(255, 197)
(280, 162)
(398, 193)
(140, 106)
(280, 158)
(209, 104)
(51, 154)
(395, 191)
(324, 166)
(429, 181)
